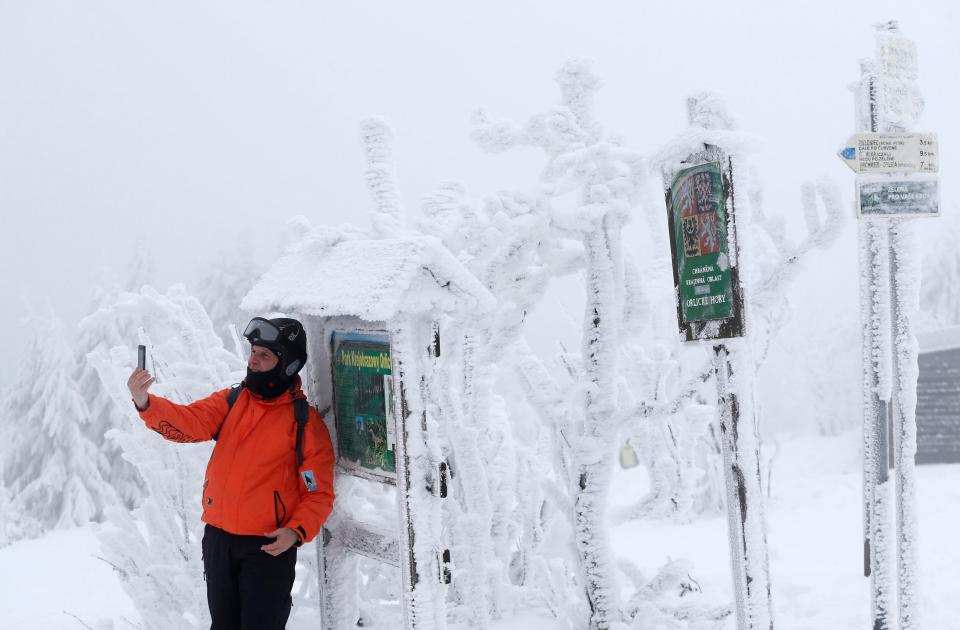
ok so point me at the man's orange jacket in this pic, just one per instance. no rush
(252, 485)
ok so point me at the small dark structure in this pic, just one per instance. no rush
(938, 397)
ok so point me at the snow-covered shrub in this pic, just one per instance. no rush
(155, 548)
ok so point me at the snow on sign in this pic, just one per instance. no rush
(700, 236)
(898, 57)
(891, 153)
(898, 95)
(905, 196)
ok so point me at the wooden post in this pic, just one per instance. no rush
(745, 516)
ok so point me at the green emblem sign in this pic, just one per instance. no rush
(363, 398)
(699, 224)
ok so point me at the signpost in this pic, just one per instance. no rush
(895, 182)
(701, 219)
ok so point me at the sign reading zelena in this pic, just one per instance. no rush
(363, 395)
(699, 224)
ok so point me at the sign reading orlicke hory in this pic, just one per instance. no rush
(700, 203)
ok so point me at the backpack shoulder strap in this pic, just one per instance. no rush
(232, 396)
(301, 411)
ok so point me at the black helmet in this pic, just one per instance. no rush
(285, 337)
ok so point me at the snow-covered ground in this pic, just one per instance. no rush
(816, 540)
(814, 528)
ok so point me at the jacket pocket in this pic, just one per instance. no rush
(279, 509)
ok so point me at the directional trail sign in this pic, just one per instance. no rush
(898, 196)
(891, 153)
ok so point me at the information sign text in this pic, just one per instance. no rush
(891, 153)
(700, 234)
(898, 197)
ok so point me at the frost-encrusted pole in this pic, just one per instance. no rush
(423, 593)
(701, 175)
(877, 495)
(897, 75)
(890, 102)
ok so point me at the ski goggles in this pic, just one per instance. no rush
(263, 330)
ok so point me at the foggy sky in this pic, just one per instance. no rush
(189, 129)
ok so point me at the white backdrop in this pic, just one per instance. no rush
(189, 129)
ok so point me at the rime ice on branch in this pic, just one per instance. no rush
(604, 180)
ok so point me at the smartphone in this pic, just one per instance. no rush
(142, 357)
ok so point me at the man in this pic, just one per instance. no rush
(258, 503)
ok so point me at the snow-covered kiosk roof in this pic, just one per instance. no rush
(374, 280)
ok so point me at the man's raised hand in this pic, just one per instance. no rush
(138, 384)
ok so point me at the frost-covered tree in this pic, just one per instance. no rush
(527, 484)
(95, 333)
(604, 179)
(620, 379)
(155, 548)
(513, 245)
(53, 471)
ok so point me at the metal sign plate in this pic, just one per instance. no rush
(898, 196)
(700, 217)
(891, 153)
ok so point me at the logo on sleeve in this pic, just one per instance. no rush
(309, 480)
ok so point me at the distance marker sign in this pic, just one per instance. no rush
(699, 234)
(891, 153)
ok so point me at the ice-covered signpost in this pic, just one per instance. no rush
(707, 263)
(895, 181)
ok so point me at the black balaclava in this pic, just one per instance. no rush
(290, 346)
(271, 383)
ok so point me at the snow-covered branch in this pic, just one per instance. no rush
(822, 231)
(686, 392)
(388, 215)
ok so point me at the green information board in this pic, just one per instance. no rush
(699, 225)
(363, 399)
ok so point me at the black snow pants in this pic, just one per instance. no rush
(247, 588)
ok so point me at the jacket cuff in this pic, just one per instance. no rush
(145, 407)
(298, 529)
